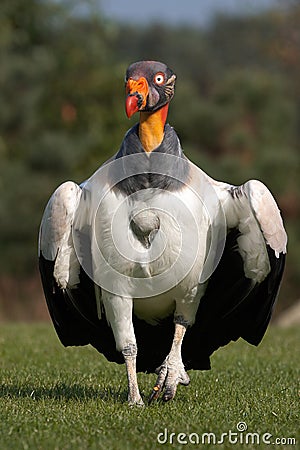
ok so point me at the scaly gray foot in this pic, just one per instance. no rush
(135, 401)
(170, 374)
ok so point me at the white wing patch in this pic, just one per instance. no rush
(55, 239)
(252, 209)
(267, 215)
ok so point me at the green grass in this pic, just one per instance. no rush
(57, 398)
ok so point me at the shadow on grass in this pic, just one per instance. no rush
(63, 391)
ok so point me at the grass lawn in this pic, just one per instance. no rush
(57, 398)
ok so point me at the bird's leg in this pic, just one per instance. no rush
(172, 371)
(118, 311)
(130, 354)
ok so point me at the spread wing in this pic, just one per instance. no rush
(70, 294)
(58, 264)
(241, 292)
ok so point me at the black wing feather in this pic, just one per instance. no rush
(74, 313)
(232, 307)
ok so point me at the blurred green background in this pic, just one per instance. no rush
(236, 111)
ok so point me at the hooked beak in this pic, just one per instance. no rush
(136, 95)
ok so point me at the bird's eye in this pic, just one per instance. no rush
(159, 78)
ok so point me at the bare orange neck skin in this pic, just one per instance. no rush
(151, 128)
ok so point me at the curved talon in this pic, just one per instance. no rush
(169, 394)
(155, 393)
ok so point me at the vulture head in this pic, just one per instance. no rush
(149, 86)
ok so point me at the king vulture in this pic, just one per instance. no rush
(153, 262)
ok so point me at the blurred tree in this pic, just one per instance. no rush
(236, 110)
